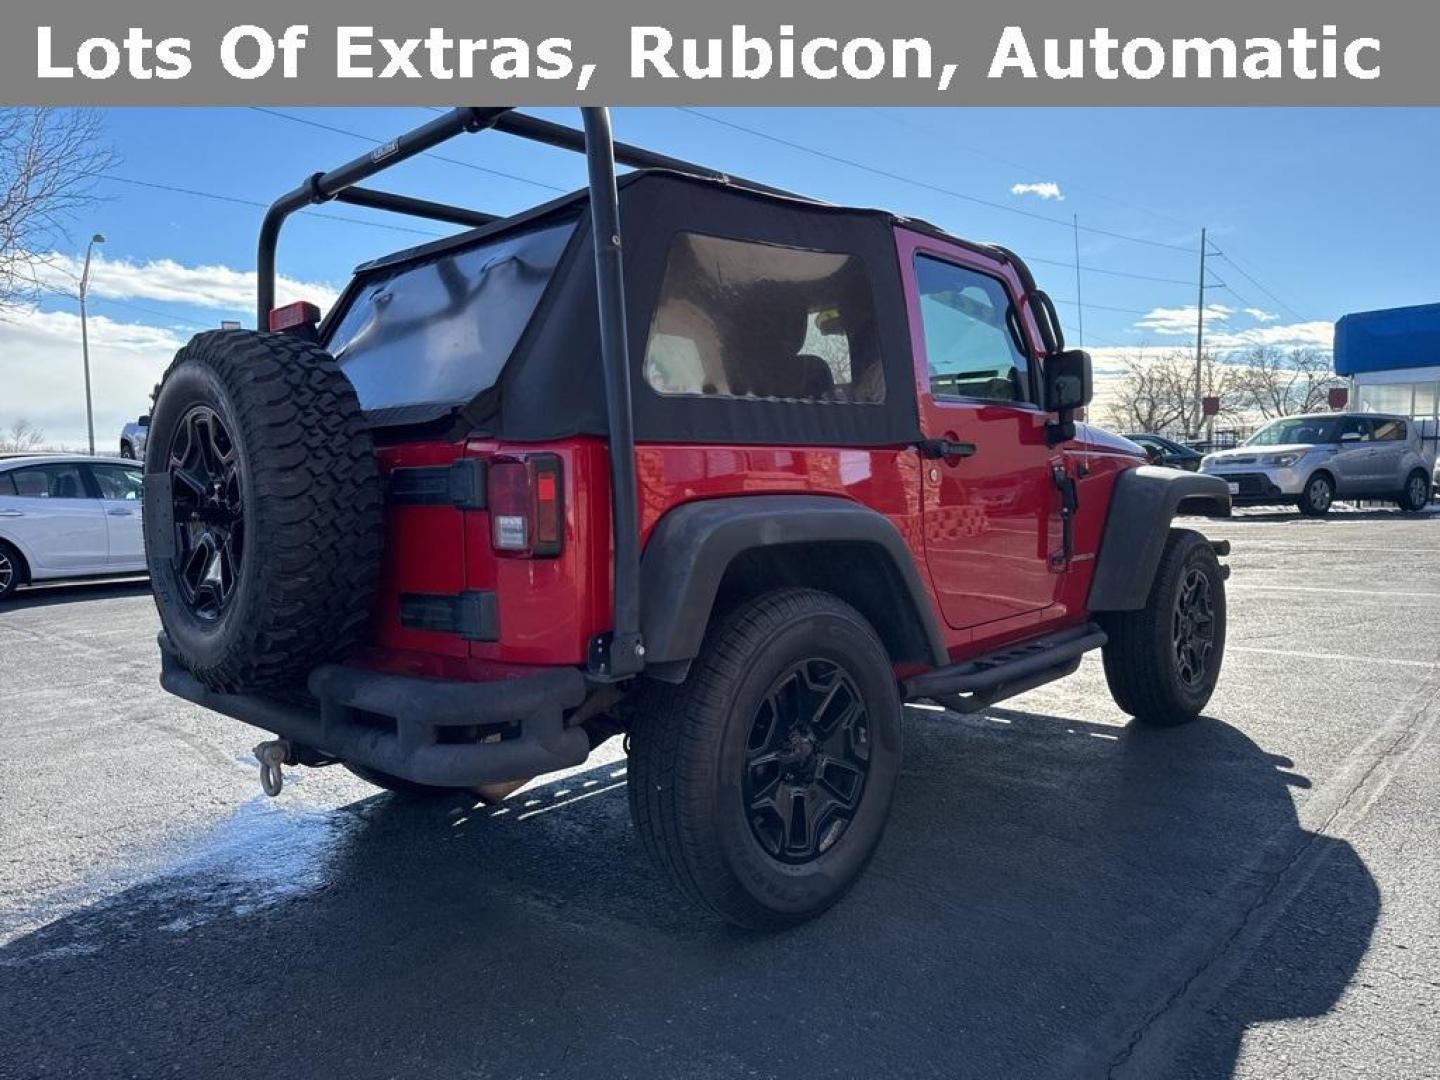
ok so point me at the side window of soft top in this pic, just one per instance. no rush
(748, 320)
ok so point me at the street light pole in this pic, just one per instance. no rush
(1200, 339)
(85, 337)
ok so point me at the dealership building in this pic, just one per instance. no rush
(1392, 361)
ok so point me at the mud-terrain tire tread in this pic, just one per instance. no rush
(675, 741)
(314, 519)
(1137, 660)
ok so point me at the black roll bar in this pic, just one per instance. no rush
(624, 653)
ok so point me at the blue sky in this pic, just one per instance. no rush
(1327, 211)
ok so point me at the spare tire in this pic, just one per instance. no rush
(263, 510)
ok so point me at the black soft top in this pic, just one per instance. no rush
(552, 386)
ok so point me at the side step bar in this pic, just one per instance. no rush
(1014, 669)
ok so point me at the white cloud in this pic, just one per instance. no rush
(213, 288)
(43, 379)
(1046, 189)
(1261, 315)
(1180, 321)
(1303, 335)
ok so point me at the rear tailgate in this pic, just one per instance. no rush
(425, 557)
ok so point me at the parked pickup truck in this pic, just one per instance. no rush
(730, 472)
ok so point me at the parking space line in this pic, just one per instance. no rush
(1342, 657)
(1376, 593)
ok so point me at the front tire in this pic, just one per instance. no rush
(1318, 496)
(1162, 661)
(761, 786)
(1416, 495)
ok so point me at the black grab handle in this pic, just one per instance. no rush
(944, 448)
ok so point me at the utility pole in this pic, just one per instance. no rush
(1079, 306)
(1199, 337)
(85, 336)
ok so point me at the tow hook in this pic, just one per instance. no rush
(272, 755)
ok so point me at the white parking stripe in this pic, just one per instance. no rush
(1342, 657)
(1379, 593)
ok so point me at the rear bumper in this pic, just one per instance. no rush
(422, 730)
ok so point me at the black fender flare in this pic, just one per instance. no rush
(692, 546)
(1142, 504)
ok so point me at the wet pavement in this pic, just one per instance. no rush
(1059, 894)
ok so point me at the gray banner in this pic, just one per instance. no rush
(830, 52)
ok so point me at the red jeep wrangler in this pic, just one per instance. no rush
(790, 467)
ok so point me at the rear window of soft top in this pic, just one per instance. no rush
(441, 331)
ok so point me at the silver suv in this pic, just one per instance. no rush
(132, 438)
(1310, 461)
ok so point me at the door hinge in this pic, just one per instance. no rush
(1069, 503)
(460, 484)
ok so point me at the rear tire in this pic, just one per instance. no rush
(761, 786)
(126, 450)
(1162, 661)
(1416, 495)
(1318, 496)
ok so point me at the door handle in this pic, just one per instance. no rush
(117, 512)
(12, 513)
(944, 448)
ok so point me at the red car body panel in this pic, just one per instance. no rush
(985, 530)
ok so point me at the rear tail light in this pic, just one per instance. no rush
(527, 512)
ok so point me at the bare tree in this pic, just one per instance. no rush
(21, 438)
(1276, 383)
(49, 162)
(1158, 393)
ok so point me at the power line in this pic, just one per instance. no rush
(950, 192)
(430, 154)
(147, 311)
(1250, 278)
(1089, 269)
(1027, 166)
(217, 197)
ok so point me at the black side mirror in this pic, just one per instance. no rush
(144, 420)
(1069, 385)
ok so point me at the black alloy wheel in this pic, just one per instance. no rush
(206, 485)
(1193, 628)
(806, 761)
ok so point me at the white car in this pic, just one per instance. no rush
(64, 516)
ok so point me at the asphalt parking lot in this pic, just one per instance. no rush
(1058, 894)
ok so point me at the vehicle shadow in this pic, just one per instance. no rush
(1045, 889)
(50, 593)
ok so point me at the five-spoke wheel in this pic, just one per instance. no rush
(806, 760)
(206, 498)
(761, 785)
